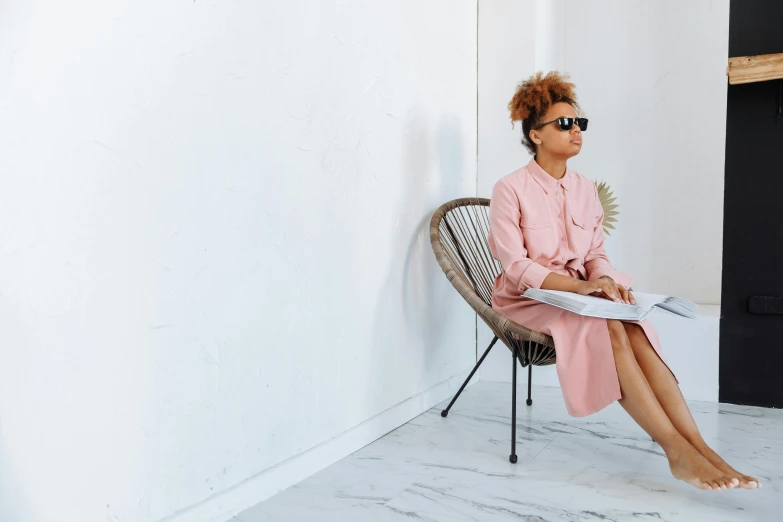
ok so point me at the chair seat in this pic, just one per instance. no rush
(459, 237)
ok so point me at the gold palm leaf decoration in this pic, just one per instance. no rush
(607, 202)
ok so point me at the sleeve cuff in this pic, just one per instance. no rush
(533, 277)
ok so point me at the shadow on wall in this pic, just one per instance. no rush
(15, 503)
(415, 303)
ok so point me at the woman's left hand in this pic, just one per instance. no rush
(623, 292)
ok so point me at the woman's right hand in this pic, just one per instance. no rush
(599, 288)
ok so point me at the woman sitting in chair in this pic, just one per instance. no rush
(546, 230)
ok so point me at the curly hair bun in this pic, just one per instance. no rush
(535, 95)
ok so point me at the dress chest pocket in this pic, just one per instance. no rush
(538, 234)
(583, 228)
(533, 223)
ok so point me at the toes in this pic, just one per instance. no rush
(750, 483)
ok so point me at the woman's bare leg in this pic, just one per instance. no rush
(668, 393)
(638, 399)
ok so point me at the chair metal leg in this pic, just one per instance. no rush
(513, 457)
(446, 411)
(529, 382)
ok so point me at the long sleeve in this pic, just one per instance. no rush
(507, 242)
(597, 263)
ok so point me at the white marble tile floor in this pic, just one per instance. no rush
(597, 468)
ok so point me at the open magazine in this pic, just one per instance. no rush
(593, 306)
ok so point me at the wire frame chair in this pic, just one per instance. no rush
(459, 237)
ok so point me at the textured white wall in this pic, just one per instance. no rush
(507, 55)
(651, 78)
(213, 238)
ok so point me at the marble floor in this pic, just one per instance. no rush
(597, 468)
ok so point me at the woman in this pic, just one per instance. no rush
(546, 230)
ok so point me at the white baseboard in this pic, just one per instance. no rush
(223, 505)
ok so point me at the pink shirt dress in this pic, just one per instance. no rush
(538, 225)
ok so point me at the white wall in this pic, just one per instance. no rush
(507, 55)
(213, 242)
(651, 78)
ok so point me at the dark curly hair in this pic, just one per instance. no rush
(535, 96)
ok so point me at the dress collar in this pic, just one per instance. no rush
(547, 182)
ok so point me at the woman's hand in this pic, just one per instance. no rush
(606, 287)
(625, 294)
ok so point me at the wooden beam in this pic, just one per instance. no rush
(747, 69)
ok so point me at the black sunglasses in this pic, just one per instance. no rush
(567, 123)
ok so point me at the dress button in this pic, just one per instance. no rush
(557, 193)
(562, 238)
(560, 215)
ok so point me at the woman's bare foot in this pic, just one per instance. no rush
(742, 481)
(689, 465)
